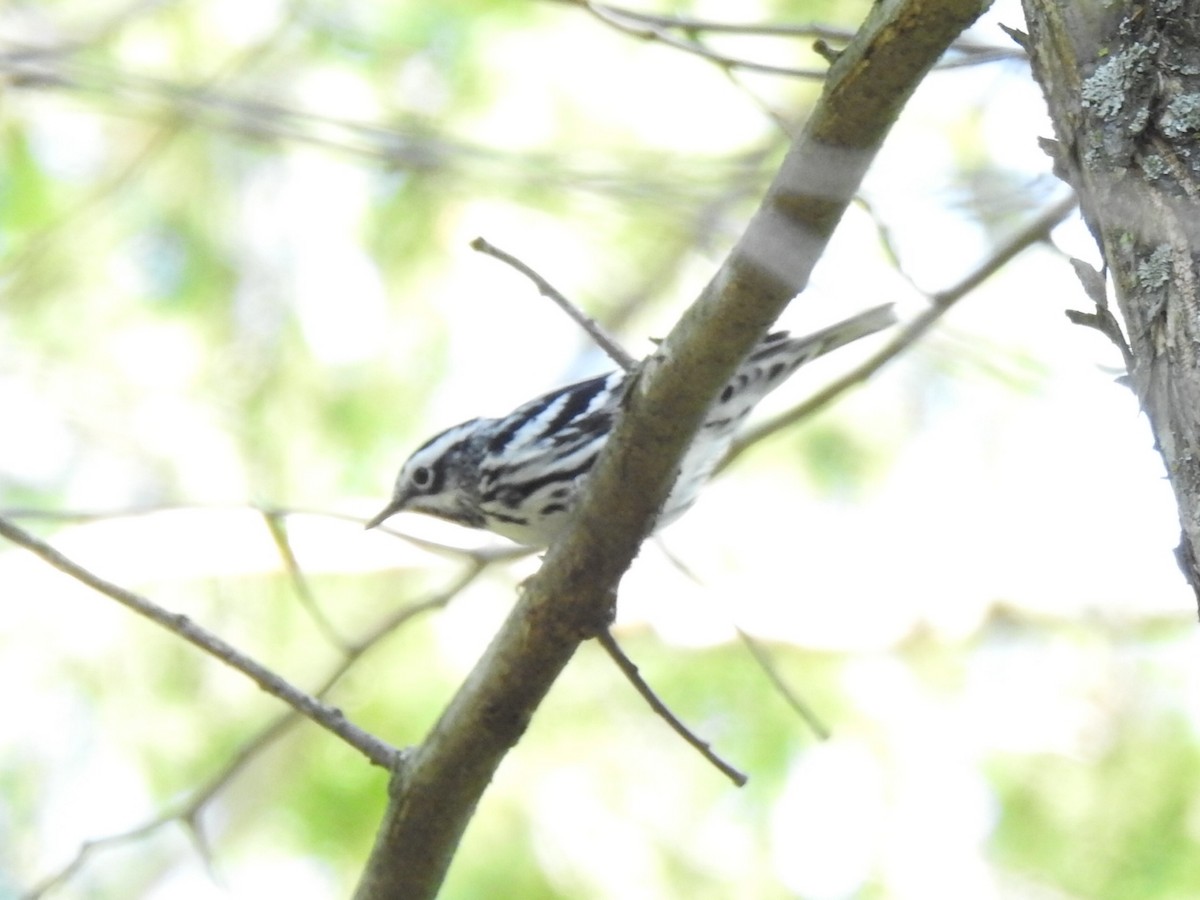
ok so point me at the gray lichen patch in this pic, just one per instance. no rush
(1155, 270)
(1153, 165)
(1106, 89)
(1181, 116)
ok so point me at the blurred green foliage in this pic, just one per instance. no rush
(234, 271)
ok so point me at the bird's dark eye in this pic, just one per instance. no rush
(421, 476)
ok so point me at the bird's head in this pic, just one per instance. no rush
(440, 479)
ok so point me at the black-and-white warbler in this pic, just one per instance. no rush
(519, 475)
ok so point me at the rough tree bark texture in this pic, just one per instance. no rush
(1122, 81)
(436, 786)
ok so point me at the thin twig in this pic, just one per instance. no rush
(595, 330)
(328, 717)
(1102, 319)
(758, 653)
(188, 811)
(691, 24)
(617, 19)
(1038, 229)
(277, 525)
(87, 848)
(887, 240)
(1035, 231)
(406, 143)
(661, 28)
(765, 662)
(627, 666)
(493, 553)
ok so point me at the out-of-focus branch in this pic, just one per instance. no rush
(1037, 230)
(682, 32)
(42, 64)
(766, 663)
(277, 527)
(647, 29)
(692, 24)
(410, 143)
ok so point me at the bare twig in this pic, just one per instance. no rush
(630, 670)
(695, 25)
(646, 30)
(277, 526)
(1102, 319)
(492, 553)
(759, 654)
(887, 240)
(666, 29)
(495, 553)
(594, 329)
(188, 811)
(1035, 231)
(328, 717)
(411, 144)
(88, 848)
(765, 662)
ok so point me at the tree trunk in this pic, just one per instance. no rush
(1122, 82)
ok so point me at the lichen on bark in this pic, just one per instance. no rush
(1122, 83)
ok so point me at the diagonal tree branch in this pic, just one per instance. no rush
(435, 790)
(328, 717)
(618, 355)
(188, 809)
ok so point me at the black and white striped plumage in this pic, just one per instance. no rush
(518, 476)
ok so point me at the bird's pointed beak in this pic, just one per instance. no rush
(386, 513)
